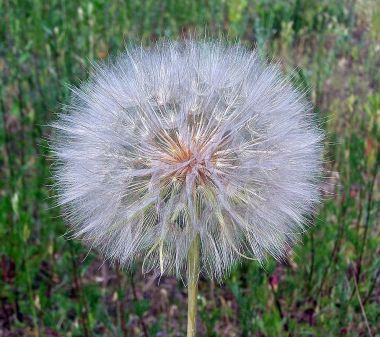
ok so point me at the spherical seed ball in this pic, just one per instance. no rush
(187, 139)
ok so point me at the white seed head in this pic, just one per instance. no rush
(184, 139)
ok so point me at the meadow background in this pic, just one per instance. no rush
(330, 285)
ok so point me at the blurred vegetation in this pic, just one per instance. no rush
(331, 283)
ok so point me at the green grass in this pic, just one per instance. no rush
(47, 288)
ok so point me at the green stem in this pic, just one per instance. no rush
(193, 275)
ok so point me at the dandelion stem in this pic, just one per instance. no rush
(193, 275)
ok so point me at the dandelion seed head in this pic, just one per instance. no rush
(187, 139)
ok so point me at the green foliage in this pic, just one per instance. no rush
(330, 284)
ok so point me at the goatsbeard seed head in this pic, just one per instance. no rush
(187, 139)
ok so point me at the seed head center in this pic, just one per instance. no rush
(188, 160)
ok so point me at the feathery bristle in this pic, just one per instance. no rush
(183, 139)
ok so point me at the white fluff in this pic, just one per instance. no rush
(183, 139)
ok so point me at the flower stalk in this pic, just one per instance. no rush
(193, 276)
